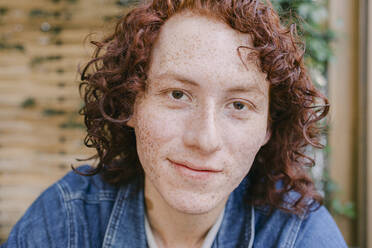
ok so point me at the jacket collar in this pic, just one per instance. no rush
(126, 226)
(238, 225)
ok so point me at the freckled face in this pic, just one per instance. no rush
(203, 117)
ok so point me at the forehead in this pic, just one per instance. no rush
(204, 48)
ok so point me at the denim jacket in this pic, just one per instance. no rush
(80, 211)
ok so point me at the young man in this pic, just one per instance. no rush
(200, 112)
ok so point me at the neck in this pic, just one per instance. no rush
(172, 228)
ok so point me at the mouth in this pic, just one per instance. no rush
(192, 170)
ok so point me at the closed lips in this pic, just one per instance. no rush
(193, 167)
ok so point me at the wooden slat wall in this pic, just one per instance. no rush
(369, 129)
(40, 131)
(343, 95)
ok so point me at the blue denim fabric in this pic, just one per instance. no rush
(82, 211)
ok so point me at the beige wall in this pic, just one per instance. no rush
(350, 88)
(369, 129)
(343, 89)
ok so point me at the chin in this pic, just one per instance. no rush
(192, 202)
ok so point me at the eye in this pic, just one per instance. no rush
(238, 105)
(177, 94)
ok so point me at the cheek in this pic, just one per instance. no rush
(155, 133)
(245, 141)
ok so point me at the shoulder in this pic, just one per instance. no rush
(320, 230)
(87, 188)
(53, 218)
(316, 229)
(46, 213)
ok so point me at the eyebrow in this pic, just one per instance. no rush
(179, 78)
(235, 89)
(245, 89)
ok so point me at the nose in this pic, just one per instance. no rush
(202, 131)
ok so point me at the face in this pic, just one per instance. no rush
(203, 116)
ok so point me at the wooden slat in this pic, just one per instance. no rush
(35, 148)
(343, 87)
(369, 131)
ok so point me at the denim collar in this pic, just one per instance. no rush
(126, 226)
(238, 225)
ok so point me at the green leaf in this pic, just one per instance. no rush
(3, 11)
(53, 112)
(28, 103)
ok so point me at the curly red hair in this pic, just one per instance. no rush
(119, 73)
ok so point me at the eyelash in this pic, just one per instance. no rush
(173, 92)
(170, 92)
(249, 105)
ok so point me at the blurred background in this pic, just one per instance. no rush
(43, 42)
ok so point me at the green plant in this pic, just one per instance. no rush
(42, 59)
(53, 112)
(4, 45)
(311, 18)
(40, 13)
(126, 3)
(28, 102)
(68, 1)
(332, 190)
(3, 11)
(71, 124)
